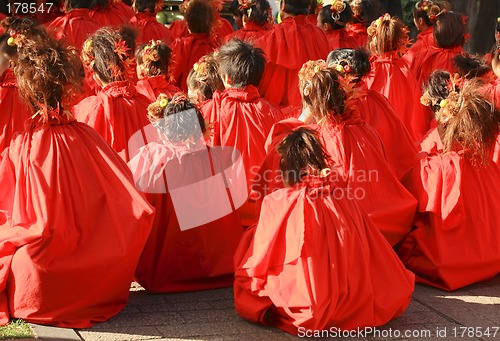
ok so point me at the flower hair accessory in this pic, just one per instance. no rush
(246, 6)
(308, 71)
(163, 103)
(150, 52)
(337, 7)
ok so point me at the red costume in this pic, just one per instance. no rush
(221, 29)
(13, 111)
(117, 112)
(196, 258)
(187, 51)
(391, 77)
(357, 32)
(376, 110)
(455, 238)
(74, 27)
(434, 58)
(151, 87)
(250, 32)
(287, 47)
(338, 39)
(72, 225)
(148, 28)
(116, 14)
(425, 40)
(316, 261)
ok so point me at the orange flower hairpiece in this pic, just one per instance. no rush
(121, 49)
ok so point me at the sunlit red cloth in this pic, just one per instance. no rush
(434, 58)
(315, 260)
(376, 110)
(116, 14)
(74, 27)
(250, 32)
(287, 47)
(357, 32)
(148, 28)
(13, 111)
(340, 38)
(455, 238)
(117, 112)
(187, 51)
(174, 258)
(491, 88)
(72, 226)
(358, 156)
(221, 29)
(391, 77)
(425, 39)
(151, 87)
(313, 19)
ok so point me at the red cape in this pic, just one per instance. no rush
(287, 47)
(358, 33)
(198, 258)
(399, 147)
(115, 15)
(148, 28)
(315, 261)
(434, 58)
(117, 112)
(151, 87)
(391, 77)
(13, 111)
(424, 40)
(222, 28)
(338, 39)
(187, 51)
(73, 227)
(250, 32)
(455, 239)
(491, 88)
(358, 155)
(74, 27)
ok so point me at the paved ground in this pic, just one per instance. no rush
(210, 315)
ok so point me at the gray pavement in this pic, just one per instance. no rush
(209, 315)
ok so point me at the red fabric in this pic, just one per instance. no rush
(242, 119)
(455, 239)
(358, 156)
(148, 28)
(491, 88)
(287, 47)
(358, 33)
(74, 27)
(187, 51)
(175, 260)
(73, 227)
(313, 19)
(151, 87)
(315, 261)
(179, 29)
(222, 28)
(13, 111)
(117, 112)
(250, 32)
(114, 15)
(434, 58)
(391, 77)
(399, 147)
(338, 39)
(425, 39)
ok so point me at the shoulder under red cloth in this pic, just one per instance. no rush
(174, 258)
(151, 87)
(338, 39)
(116, 14)
(314, 261)
(424, 40)
(287, 47)
(435, 58)
(357, 32)
(13, 111)
(391, 77)
(455, 239)
(250, 32)
(117, 112)
(150, 29)
(69, 214)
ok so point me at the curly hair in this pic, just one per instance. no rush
(107, 53)
(178, 119)
(49, 75)
(153, 58)
(436, 89)
(321, 91)
(205, 78)
(300, 151)
(387, 34)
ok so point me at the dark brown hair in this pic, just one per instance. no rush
(205, 77)
(338, 18)
(242, 62)
(199, 16)
(428, 11)
(449, 30)
(436, 89)
(387, 34)
(49, 75)
(470, 66)
(153, 58)
(6, 50)
(146, 5)
(299, 152)
(358, 60)
(321, 91)
(258, 11)
(296, 7)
